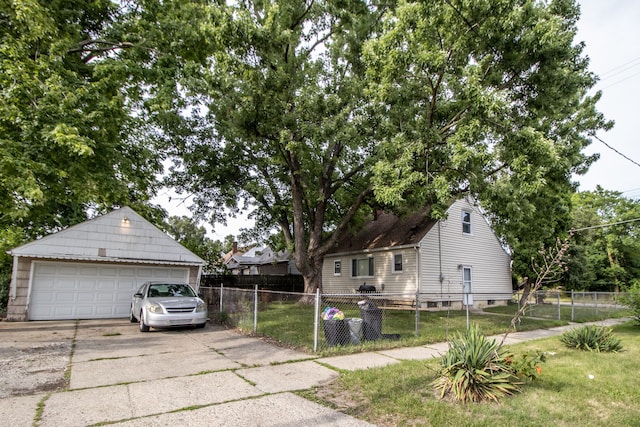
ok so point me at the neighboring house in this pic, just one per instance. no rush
(261, 260)
(91, 270)
(415, 253)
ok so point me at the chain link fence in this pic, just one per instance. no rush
(324, 321)
(574, 306)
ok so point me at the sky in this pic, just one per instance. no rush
(611, 32)
(612, 35)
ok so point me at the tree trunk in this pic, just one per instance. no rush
(312, 282)
(312, 274)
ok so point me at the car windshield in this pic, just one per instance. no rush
(170, 290)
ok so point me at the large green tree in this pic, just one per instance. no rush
(487, 98)
(301, 111)
(284, 128)
(69, 138)
(605, 248)
(74, 136)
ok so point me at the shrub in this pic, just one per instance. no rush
(222, 318)
(475, 369)
(527, 365)
(592, 338)
(632, 300)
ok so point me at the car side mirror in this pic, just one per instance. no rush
(137, 295)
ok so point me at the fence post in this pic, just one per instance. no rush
(595, 296)
(221, 289)
(315, 321)
(572, 311)
(559, 315)
(255, 309)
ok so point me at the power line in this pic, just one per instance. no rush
(604, 225)
(616, 70)
(620, 81)
(613, 149)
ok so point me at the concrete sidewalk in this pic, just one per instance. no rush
(199, 378)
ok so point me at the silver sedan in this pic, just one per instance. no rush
(166, 305)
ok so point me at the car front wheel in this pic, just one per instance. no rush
(143, 326)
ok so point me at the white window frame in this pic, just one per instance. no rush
(371, 267)
(466, 224)
(394, 264)
(337, 267)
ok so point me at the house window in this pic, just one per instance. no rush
(337, 268)
(466, 222)
(397, 263)
(362, 267)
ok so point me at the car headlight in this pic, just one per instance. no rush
(155, 308)
(201, 307)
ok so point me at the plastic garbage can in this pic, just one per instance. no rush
(355, 329)
(336, 332)
(372, 321)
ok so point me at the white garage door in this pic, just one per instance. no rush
(90, 291)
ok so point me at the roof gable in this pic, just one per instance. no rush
(121, 235)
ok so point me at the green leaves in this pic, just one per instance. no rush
(487, 98)
(475, 369)
(604, 258)
(592, 338)
(68, 136)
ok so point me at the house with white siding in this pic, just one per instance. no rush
(92, 269)
(453, 262)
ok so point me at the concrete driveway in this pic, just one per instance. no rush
(201, 377)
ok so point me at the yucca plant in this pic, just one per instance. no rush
(475, 369)
(592, 338)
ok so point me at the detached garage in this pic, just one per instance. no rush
(91, 270)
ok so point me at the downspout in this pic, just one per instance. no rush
(418, 286)
(441, 276)
(14, 278)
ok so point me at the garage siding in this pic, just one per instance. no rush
(62, 290)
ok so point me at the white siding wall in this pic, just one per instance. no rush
(480, 250)
(394, 282)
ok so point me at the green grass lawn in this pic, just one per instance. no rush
(293, 324)
(563, 395)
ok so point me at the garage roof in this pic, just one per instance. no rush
(119, 236)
